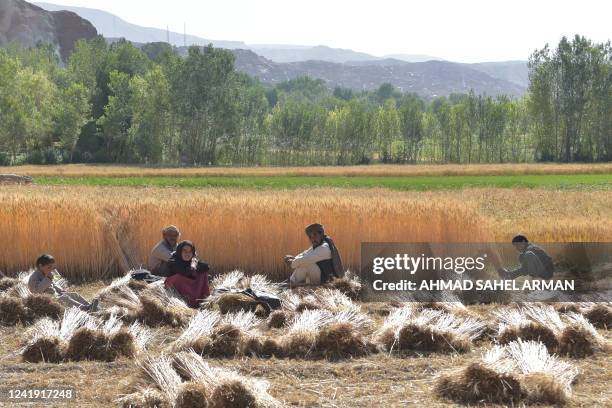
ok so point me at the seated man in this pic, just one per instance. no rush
(317, 264)
(44, 278)
(535, 262)
(160, 255)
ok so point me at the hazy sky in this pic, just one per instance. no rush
(457, 30)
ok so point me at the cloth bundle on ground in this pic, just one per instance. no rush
(144, 275)
(269, 301)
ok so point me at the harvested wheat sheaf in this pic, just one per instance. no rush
(479, 383)
(154, 313)
(233, 393)
(153, 305)
(600, 315)
(579, 338)
(187, 380)
(325, 299)
(146, 398)
(340, 340)
(43, 349)
(13, 311)
(411, 329)
(317, 334)
(271, 347)
(26, 307)
(278, 319)
(511, 374)
(213, 335)
(44, 306)
(79, 336)
(192, 395)
(137, 285)
(7, 283)
(569, 334)
(349, 285)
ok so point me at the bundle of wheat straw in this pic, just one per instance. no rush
(155, 305)
(333, 300)
(517, 372)
(7, 283)
(114, 286)
(448, 302)
(200, 325)
(186, 380)
(407, 328)
(294, 302)
(160, 370)
(214, 335)
(227, 281)
(19, 305)
(569, 334)
(527, 324)
(226, 388)
(321, 333)
(579, 338)
(343, 336)
(46, 339)
(278, 318)
(328, 299)
(79, 336)
(349, 284)
(599, 314)
(228, 337)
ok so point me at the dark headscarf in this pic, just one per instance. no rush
(176, 255)
(178, 265)
(336, 258)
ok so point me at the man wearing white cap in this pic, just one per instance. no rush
(318, 264)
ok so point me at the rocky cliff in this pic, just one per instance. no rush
(26, 24)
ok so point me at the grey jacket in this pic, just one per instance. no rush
(160, 255)
(535, 262)
(39, 283)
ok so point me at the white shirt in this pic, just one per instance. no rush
(312, 256)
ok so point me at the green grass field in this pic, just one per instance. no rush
(395, 183)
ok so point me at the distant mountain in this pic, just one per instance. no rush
(428, 79)
(26, 24)
(379, 62)
(273, 63)
(112, 26)
(413, 57)
(109, 25)
(513, 71)
(304, 53)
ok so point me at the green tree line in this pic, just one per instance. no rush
(116, 103)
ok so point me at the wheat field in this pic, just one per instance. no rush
(378, 170)
(97, 233)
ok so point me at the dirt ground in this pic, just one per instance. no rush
(377, 380)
